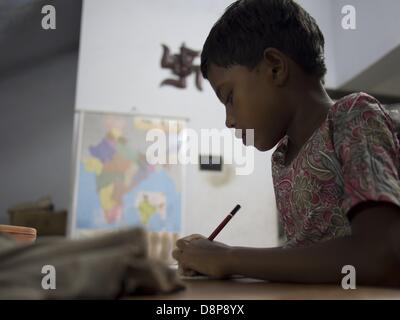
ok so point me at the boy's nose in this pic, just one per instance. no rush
(230, 123)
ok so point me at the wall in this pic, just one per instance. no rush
(36, 132)
(376, 34)
(119, 67)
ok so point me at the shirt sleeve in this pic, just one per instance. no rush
(368, 150)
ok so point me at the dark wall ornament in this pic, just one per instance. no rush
(181, 65)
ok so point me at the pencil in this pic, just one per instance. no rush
(224, 222)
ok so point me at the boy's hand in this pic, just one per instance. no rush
(196, 253)
(183, 270)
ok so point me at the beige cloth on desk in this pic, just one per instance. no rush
(105, 267)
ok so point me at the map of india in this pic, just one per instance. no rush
(116, 186)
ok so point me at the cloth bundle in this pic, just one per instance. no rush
(110, 266)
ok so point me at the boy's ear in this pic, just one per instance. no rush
(277, 65)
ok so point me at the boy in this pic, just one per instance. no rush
(335, 168)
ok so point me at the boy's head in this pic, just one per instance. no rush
(253, 55)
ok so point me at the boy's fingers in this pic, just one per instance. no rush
(184, 271)
(181, 243)
(189, 273)
(176, 254)
(194, 237)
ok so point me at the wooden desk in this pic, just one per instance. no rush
(250, 289)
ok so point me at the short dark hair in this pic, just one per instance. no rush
(248, 27)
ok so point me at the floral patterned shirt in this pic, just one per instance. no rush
(354, 156)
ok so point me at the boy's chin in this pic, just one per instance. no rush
(259, 145)
(263, 149)
(262, 146)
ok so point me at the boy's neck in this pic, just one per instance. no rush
(311, 106)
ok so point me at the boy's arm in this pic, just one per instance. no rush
(373, 249)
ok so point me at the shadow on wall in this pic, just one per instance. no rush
(36, 129)
(38, 70)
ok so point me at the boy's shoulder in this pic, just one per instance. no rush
(355, 102)
(356, 106)
(359, 114)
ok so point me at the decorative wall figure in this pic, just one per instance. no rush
(181, 65)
